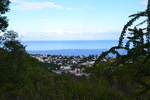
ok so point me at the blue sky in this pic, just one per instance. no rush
(71, 19)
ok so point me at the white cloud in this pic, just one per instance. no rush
(74, 9)
(16, 1)
(72, 35)
(34, 5)
(22, 5)
(144, 2)
(59, 31)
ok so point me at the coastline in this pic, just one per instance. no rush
(72, 52)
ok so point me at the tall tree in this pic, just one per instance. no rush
(135, 17)
(140, 38)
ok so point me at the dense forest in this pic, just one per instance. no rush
(23, 77)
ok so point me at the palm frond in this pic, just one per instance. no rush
(143, 13)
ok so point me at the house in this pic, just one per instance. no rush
(65, 68)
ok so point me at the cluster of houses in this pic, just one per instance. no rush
(70, 64)
(66, 60)
(66, 63)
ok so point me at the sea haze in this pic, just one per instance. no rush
(74, 47)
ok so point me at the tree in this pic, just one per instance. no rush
(140, 38)
(10, 42)
(131, 68)
(4, 7)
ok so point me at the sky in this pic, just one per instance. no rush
(71, 19)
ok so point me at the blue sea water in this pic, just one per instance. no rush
(74, 47)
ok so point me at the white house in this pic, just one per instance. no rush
(65, 68)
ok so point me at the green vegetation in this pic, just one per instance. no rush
(23, 77)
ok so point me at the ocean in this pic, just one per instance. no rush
(70, 47)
